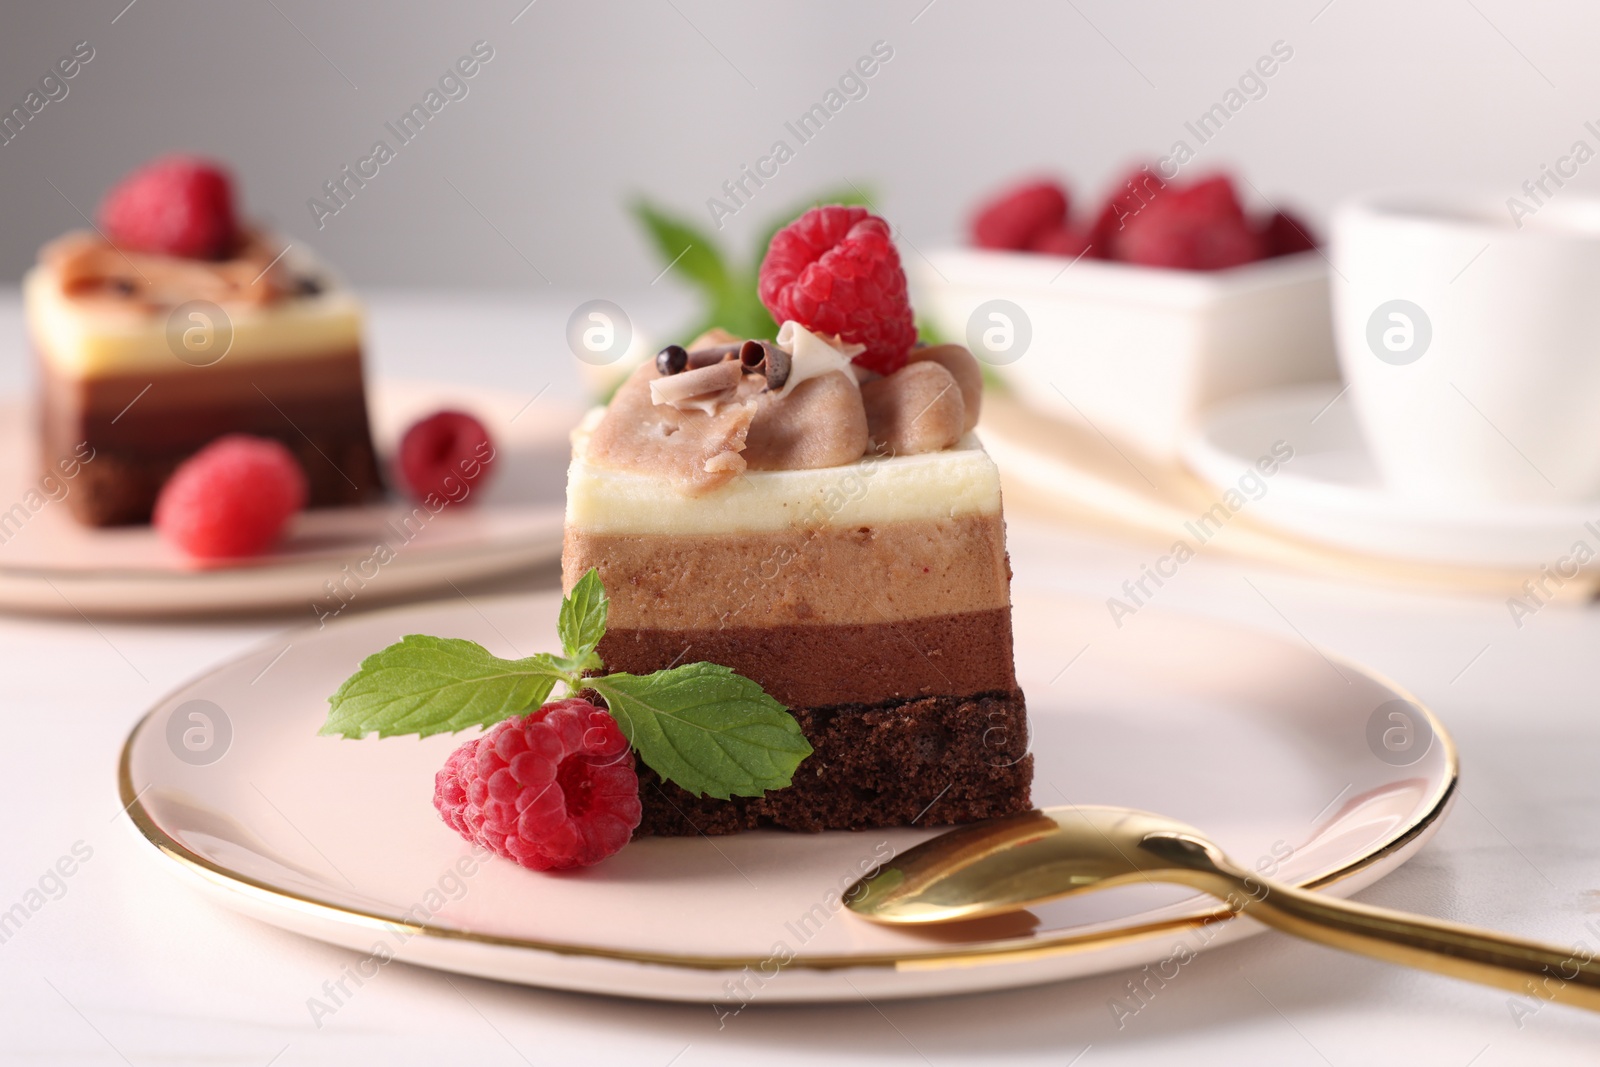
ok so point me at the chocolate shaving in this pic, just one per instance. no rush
(755, 357)
(752, 356)
(702, 389)
(766, 359)
(778, 366)
(706, 357)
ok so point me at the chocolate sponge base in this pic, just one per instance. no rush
(118, 488)
(930, 761)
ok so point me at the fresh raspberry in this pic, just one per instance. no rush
(1128, 198)
(1017, 217)
(835, 271)
(1213, 197)
(1061, 241)
(175, 205)
(1285, 234)
(1200, 227)
(234, 497)
(450, 788)
(552, 790)
(445, 455)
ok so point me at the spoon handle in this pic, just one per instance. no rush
(1529, 968)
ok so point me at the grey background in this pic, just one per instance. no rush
(587, 103)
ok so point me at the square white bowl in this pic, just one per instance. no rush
(1138, 352)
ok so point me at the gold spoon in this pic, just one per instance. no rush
(1009, 864)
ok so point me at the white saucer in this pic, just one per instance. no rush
(1261, 742)
(48, 562)
(1330, 491)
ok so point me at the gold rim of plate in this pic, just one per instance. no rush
(1011, 950)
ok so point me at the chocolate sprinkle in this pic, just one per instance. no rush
(671, 360)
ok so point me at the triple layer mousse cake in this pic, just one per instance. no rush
(152, 342)
(830, 531)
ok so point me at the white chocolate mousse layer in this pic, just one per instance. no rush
(89, 337)
(953, 483)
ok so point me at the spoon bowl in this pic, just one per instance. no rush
(1016, 862)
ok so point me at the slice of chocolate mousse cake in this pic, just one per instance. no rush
(817, 515)
(172, 325)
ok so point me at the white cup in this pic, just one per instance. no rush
(1471, 345)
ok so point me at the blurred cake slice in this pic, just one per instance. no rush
(170, 325)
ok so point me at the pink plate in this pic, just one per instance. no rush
(337, 555)
(1289, 760)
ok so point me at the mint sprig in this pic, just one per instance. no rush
(702, 726)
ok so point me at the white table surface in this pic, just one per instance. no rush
(128, 966)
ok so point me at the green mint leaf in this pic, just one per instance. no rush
(741, 312)
(434, 685)
(706, 728)
(582, 622)
(690, 252)
(928, 332)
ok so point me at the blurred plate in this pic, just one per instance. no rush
(1331, 493)
(48, 562)
(1275, 751)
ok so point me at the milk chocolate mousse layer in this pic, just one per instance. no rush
(287, 365)
(918, 568)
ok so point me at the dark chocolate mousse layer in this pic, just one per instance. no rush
(817, 666)
(928, 762)
(141, 427)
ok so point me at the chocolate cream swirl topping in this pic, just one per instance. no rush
(703, 414)
(89, 267)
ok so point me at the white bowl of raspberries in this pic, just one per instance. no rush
(1139, 317)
